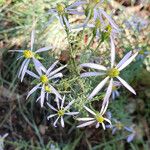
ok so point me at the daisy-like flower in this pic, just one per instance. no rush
(61, 12)
(61, 111)
(111, 72)
(97, 119)
(29, 55)
(99, 15)
(44, 77)
(115, 87)
(142, 54)
(133, 134)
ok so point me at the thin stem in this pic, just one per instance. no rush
(98, 45)
(88, 46)
(72, 57)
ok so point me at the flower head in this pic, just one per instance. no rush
(97, 119)
(103, 25)
(61, 12)
(44, 77)
(110, 73)
(61, 111)
(29, 55)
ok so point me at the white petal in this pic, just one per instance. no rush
(111, 21)
(98, 88)
(22, 66)
(50, 116)
(33, 90)
(94, 66)
(112, 51)
(76, 4)
(32, 74)
(107, 120)
(103, 125)
(57, 70)
(72, 113)
(85, 124)
(62, 103)
(97, 125)
(24, 69)
(43, 49)
(67, 22)
(62, 122)
(124, 59)
(38, 66)
(127, 62)
(90, 74)
(85, 119)
(51, 67)
(56, 122)
(58, 75)
(127, 85)
(32, 39)
(52, 107)
(90, 111)
(57, 101)
(108, 92)
(42, 96)
(55, 91)
(20, 51)
(19, 57)
(104, 108)
(68, 106)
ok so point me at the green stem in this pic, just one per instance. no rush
(100, 42)
(88, 46)
(72, 57)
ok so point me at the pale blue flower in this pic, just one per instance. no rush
(61, 12)
(61, 111)
(142, 54)
(29, 55)
(115, 92)
(99, 19)
(44, 76)
(97, 119)
(111, 72)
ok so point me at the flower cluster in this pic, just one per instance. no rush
(104, 28)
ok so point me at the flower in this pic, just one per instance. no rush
(29, 55)
(44, 76)
(98, 118)
(61, 111)
(100, 26)
(133, 134)
(115, 87)
(142, 54)
(111, 72)
(61, 12)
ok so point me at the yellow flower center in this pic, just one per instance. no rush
(28, 54)
(108, 29)
(119, 125)
(47, 89)
(113, 72)
(44, 79)
(141, 52)
(61, 112)
(99, 118)
(98, 23)
(60, 8)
